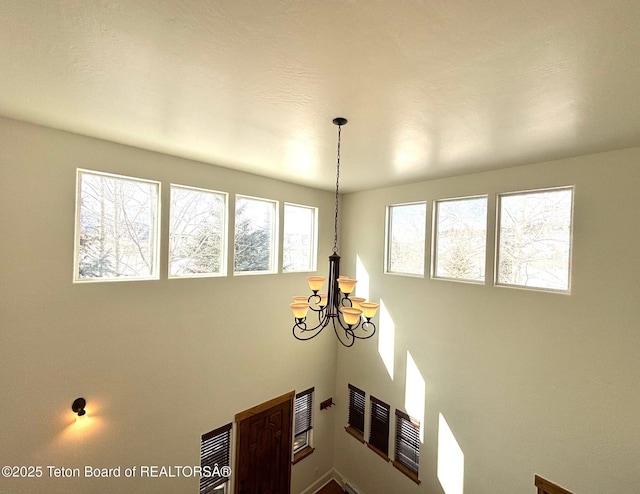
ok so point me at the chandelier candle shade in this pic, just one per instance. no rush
(350, 317)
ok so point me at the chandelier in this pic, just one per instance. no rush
(349, 316)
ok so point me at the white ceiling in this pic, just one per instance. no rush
(431, 88)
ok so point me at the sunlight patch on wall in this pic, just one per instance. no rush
(450, 460)
(414, 393)
(386, 338)
(362, 287)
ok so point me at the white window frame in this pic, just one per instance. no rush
(497, 244)
(387, 241)
(155, 275)
(307, 442)
(434, 240)
(314, 238)
(308, 434)
(274, 235)
(225, 234)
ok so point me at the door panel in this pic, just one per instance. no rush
(263, 463)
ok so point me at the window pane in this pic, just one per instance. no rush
(299, 247)
(254, 245)
(118, 227)
(300, 441)
(535, 239)
(406, 237)
(461, 239)
(196, 232)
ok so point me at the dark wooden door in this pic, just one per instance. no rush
(263, 455)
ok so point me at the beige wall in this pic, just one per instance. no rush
(159, 362)
(528, 382)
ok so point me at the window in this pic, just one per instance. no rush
(407, 450)
(534, 242)
(300, 241)
(406, 224)
(379, 427)
(214, 455)
(116, 228)
(197, 232)
(255, 235)
(356, 412)
(460, 239)
(303, 409)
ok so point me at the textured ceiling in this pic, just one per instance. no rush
(431, 88)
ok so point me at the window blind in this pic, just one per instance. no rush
(303, 409)
(356, 408)
(407, 451)
(379, 425)
(214, 450)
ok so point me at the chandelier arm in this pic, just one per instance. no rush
(302, 328)
(322, 322)
(303, 336)
(368, 323)
(349, 335)
(317, 298)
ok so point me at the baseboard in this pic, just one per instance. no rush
(342, 480)
(338, 477)
(324, 480)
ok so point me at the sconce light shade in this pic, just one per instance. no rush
(78, 406)
(369, 309)
(346, 285)
(315, 282)
(351, 315)
(299, 309)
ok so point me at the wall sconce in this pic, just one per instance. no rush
(78, 406)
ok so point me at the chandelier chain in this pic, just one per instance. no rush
(335, 221)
